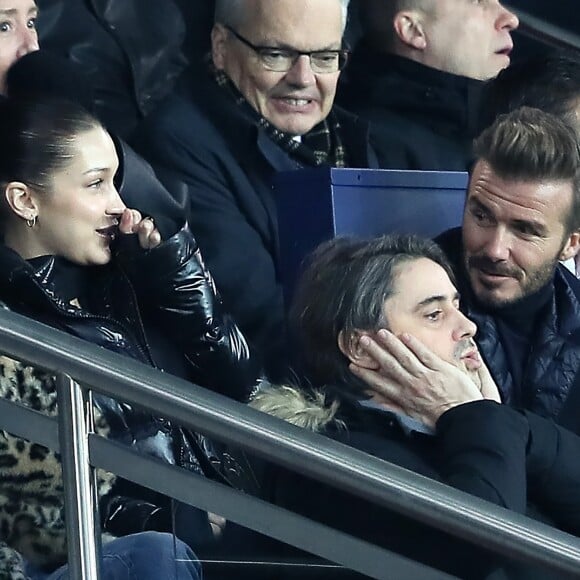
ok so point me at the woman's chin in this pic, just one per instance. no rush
(100, 258)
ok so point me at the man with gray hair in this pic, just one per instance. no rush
(418, 73)
(440, 416)
(264, 103)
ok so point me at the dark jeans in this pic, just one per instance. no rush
(144, 556)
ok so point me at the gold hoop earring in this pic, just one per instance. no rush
(31, 221)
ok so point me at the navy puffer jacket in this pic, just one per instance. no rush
(551, 379)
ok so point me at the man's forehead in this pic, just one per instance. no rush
(14, 6)
(296, 23)
(421, 281)
(542, 201)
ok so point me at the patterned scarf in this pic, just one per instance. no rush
(322, 145)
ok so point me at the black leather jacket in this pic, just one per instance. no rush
(168, 286)
(168, 289)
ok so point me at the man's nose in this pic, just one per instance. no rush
(301, 73)
(497, 245)
(506, 19)
(465, 328)
(28, 42)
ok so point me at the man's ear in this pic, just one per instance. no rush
(571, 248)
(219, 35)
(21, 200)
(351, 348)
(408, 26)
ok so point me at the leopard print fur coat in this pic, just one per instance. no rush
(32, 524)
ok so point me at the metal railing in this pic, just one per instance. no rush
(315, 456)
(542, 31)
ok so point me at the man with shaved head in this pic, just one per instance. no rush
(417, 76)
(262, 103)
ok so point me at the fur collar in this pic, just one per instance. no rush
(307, 409)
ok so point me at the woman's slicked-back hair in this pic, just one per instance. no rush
(343, 288)
(38, 136)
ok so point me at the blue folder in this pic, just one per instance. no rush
(315, 205)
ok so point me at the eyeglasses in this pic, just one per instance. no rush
(283, 59)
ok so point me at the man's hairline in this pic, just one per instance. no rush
(383, 321)
(231, 22)
(526, 181)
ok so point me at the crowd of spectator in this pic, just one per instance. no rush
(139, 148)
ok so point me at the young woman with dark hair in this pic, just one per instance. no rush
(75, 258)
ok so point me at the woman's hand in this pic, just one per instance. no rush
(132, 222)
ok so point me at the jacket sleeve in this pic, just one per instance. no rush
(554, 472)
(177, 292)
(223, 210)
(478, 449)
(482, 450)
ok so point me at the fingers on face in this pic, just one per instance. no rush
(126, 221)
(427, 357)
(129, 221)
(398, 352)
(376, 381)
(387, 393)
(132, 222)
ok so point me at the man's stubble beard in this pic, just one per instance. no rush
(537, 280)
(460, 349)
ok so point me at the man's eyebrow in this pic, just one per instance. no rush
(14, 11)
(536, 226)
(480, 205)
(284, 46)
(436, 298)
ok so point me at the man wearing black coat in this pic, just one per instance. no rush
(417, 76)
(447, 424)
(264, 104)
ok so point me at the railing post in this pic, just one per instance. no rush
(75, 423)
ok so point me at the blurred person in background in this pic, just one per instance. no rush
(417, 75)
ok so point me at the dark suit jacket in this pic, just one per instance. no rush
(203, 139)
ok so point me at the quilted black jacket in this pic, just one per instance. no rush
(551, 379)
